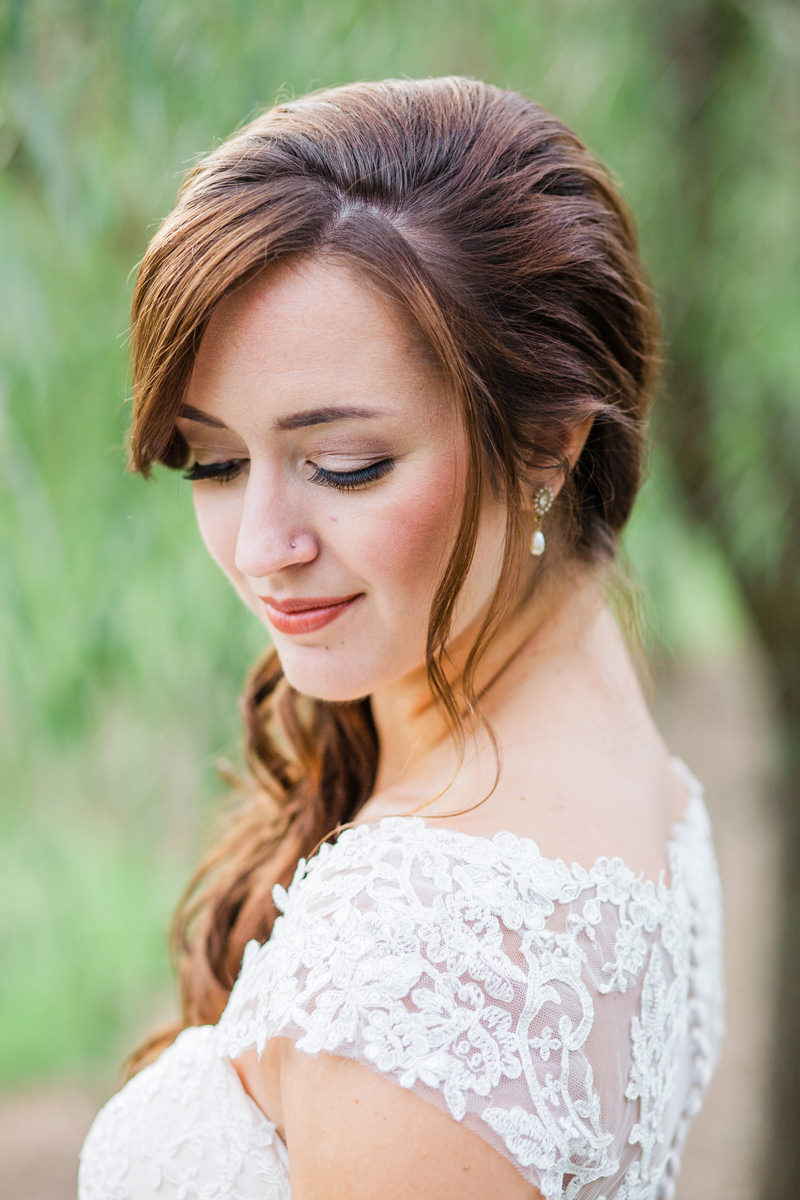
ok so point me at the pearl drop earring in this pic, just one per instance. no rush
(542, 503)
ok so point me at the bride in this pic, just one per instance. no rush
(398, 338)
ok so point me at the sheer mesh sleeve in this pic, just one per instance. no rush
(555, 1010)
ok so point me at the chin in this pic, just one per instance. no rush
(342, 675)
(330, 686)
(332, 695)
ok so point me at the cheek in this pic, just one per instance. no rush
(408, 540)
(218, 519)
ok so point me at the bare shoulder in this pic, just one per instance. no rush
(354, 1135)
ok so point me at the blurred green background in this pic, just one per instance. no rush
(122, 650)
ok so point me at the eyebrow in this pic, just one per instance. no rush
(298, 420)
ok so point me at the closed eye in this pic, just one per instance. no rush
(222, 472)
(348, 481)
(343, 481)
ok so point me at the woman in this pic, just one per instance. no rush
(398, 338)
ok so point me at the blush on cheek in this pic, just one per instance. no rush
(408, 543)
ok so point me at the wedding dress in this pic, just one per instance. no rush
(570, 1015)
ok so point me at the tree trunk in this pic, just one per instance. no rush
(701, 40)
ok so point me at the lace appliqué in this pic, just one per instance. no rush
(558, 1011)
(184, 1129)
(571, 1016)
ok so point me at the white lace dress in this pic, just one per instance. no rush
(571, 1016)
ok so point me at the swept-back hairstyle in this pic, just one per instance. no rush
(503, 242)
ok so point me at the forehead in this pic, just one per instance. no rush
(311, 333)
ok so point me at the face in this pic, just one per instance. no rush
(329, 468)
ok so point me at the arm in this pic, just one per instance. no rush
(354, 1135)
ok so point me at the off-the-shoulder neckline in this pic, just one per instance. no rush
(504, 837)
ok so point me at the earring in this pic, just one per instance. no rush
(542, 503)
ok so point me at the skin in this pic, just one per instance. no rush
(585, 772)
(333, 344)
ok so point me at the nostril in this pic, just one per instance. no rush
(259, 556)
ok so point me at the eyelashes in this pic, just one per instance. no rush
(343, 481)
(222, 472)
(348, 481)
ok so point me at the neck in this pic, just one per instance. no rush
(413, 733)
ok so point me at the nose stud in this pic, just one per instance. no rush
(292, 545)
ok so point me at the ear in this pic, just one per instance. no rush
(576, 440)
(573, 447)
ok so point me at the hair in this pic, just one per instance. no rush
(491, 229)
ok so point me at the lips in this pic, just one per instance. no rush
(305, 603)
(306, 613)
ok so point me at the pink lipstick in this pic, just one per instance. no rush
(305, 614)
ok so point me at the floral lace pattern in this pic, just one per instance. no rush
(569, 1015)
(184, 1129)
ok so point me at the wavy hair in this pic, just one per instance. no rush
(494, 231)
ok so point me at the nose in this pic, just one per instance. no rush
(272, 532)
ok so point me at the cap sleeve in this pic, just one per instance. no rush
(492, 981)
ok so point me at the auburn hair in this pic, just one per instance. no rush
(492, 230)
